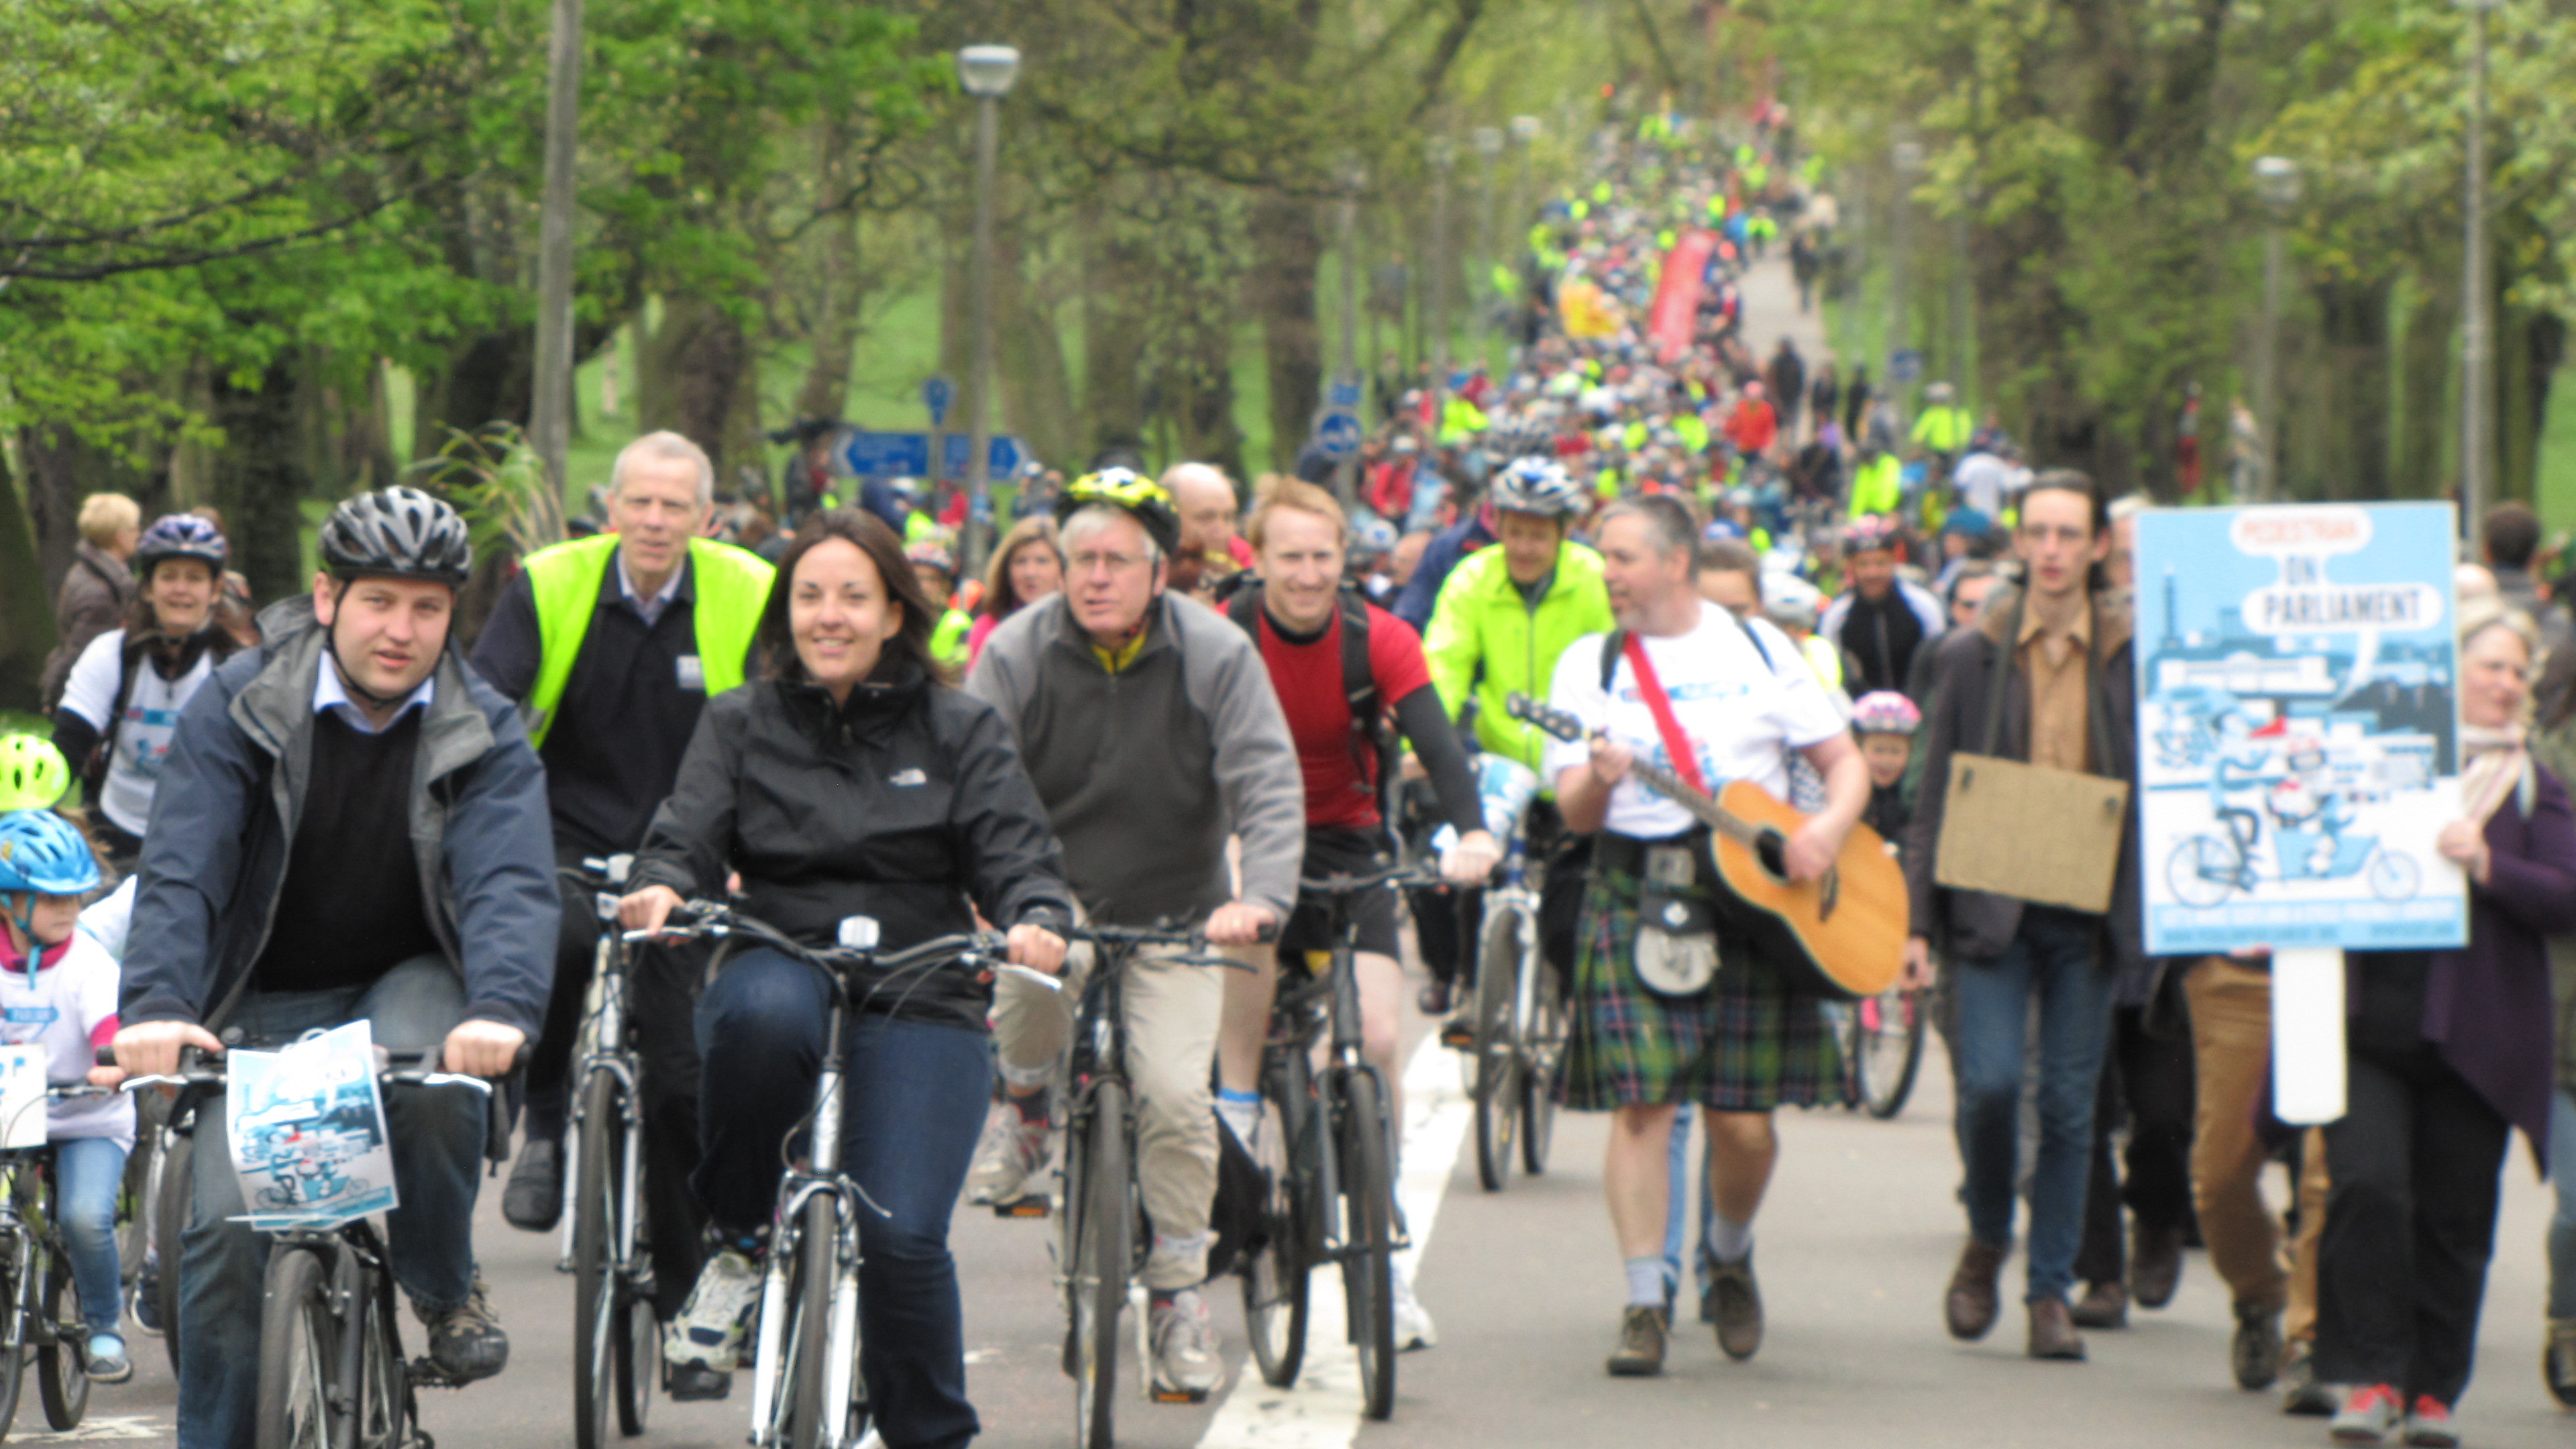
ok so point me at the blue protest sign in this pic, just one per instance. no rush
(2298, 734)
(936, 395)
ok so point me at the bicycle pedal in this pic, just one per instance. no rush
(1458, 1038)
(1035, 1205)
(1162, 1395)
(426, 1374)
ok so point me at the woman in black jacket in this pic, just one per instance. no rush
(853, 783)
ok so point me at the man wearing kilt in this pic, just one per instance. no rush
(1675, 996)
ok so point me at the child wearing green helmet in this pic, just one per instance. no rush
(58, 993)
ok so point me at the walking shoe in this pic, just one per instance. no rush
(533, 1201)
(2256, 1352)
(2104, 1305)
(1974, 1299)
(2558, 1360)
(1640, 1353)
(2429, 1426)
(2052, 1332)
(466, 1342)
(713, 1324)
(2368, 1413)
(1183, 1335)
(694, 1383)
(147, 1297)
(2155, 1265)
(1731, 1302)
(1433, 998)
(1413, 1326)
(2301, 1394)
(1011, 1158)
(106, 1363)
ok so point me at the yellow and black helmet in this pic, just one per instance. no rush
(1130, 490)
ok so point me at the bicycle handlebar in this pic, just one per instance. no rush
(1347, 883)
(1194, 944)
(981, 951)
(196, 1068)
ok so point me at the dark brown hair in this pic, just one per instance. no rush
(869, 534)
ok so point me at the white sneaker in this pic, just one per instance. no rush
(1011, 1157)
(1186, 1358)
(716, 1320)
(1243, 1119)
(1413, 1326)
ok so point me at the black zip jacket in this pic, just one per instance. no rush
(908, 804)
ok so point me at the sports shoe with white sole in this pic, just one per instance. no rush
(713, 1324)
(1187, 1361)
(1011, 1159)
(1413, 1326)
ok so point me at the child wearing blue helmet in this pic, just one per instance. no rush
(58, 991)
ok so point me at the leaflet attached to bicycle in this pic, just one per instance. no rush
(22, 1096)
(307, 1127)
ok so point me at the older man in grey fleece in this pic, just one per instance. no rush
(1149, 727)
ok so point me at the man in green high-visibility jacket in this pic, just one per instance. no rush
(612, 645)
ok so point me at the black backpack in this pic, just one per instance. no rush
(1372, 737)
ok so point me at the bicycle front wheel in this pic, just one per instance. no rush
(809, 1335)
(299, 1356)
(1891, 1051)
(1542, 1055)
(1368, 1227)
(1497, 1045)
(1098, 1291)
(62, 1370)
(1275, 1270)
(601, 1132)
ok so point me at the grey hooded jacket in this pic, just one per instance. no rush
(232, 791)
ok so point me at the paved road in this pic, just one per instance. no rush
(1855, 1246)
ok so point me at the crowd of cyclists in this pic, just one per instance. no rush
(1161, 708)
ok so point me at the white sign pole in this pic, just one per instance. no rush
(2307, 1036)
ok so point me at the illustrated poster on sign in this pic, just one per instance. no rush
(22, 1097)
(2298, 727)
(308, 1132)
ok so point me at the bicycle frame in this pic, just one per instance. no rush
(1097, 1053)
(820, 1178)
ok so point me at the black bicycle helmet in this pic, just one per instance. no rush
(398, 533)
(180, 535)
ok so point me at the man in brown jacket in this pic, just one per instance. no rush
(97, 587)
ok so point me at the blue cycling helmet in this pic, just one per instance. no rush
(41, 852)
(181, 535)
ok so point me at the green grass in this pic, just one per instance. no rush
(20, 722)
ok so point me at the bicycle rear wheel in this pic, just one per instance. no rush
(809, 1334)
(1368, 1222)
(1542, 1055)
(299, 1363)
(1275, 1274)
(1497, 1051)
(62, 1362)
(1891, 1051)
(596, 1325)
(1105, 1235)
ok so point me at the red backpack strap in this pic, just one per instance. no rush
(1676, 744)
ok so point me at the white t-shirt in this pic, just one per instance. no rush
(1740, 717)
(1986, 482)
(108, 919)
(151, 717)
(68, 1009)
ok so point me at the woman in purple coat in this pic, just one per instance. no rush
(2447, 1052)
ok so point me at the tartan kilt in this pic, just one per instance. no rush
(1746, 1044)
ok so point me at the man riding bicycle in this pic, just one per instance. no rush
(1310, 632)
(1502, 619)
(614, 644)
(349, 826)
(1149, 727)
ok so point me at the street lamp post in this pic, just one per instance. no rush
(2276, 182)
(2477, 347)
(1488, 141)
(986, 73)
(550, 412)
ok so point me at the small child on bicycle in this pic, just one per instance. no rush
(58, 990)
(1884, 722)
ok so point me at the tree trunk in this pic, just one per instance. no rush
(2528, 351)
(2349, 437)
(2422, 465)
(26, 609)
(826, 389)
(62, 469)
(1288, 246)
(259, 478)
(689, 371)
(1037, 391)
(1113, 336)
(489, 378)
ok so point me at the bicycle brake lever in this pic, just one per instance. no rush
(1028, 973)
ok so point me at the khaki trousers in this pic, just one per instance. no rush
(1172, 1016)
(2231, 1032)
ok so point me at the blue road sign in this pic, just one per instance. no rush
(1001, 456)
(1905, 365)
(1344, 393)
(907, 455)
(936, 395)
(1337, 433)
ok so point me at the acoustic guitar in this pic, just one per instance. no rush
(1849, 926)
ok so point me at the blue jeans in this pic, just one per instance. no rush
(429, 1240)
(2562, 1223)
(87, 1173)
(2054, 960)
(916, 1094)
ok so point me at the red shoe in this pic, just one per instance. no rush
(2368, 1413)
(2428, 1424)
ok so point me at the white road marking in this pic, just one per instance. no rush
(99, 1431)
(1323, 1411)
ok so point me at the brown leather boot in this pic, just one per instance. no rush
(1974, 1299)
(2155, 1265)
(2104, 1305)
(2052, 1331)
